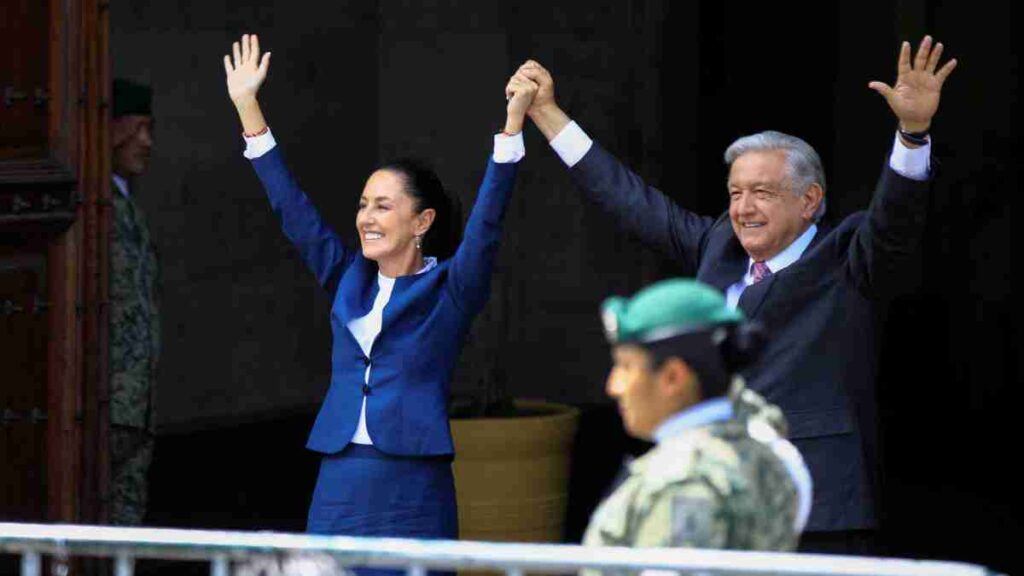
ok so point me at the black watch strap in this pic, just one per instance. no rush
(917, 138)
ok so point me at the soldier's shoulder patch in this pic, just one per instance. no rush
(693, 520)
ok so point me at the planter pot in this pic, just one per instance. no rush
(512, 474)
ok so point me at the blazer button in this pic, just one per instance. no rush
(366, 360)
(366, 390)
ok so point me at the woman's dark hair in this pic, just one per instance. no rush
(425, 188)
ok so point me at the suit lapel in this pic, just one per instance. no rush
(398, 301)
(753, 296)
(725, 272)
(727, 267)
(357, 290)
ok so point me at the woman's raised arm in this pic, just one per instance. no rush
(319, 246)
(473, 262)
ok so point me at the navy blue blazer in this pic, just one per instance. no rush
(423, 327)
(821, 315)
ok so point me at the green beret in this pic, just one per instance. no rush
(131, 98)
(665, 309)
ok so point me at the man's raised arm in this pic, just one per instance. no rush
(638, 208)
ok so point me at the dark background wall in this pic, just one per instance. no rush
(666, 86)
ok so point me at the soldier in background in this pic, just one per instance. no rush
(134, 313)
(722, 474)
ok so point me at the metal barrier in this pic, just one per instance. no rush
(224, 549)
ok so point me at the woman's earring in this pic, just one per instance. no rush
(419, 242)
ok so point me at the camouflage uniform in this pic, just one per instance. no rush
(134, 351)
(720, 485)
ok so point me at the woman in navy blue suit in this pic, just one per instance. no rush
(402, 306)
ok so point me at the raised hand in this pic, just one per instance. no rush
(544, 111)
(546, 85)
(520, 92)
(246, 73)
(915, 96)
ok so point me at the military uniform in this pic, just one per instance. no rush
(721, 485)
(722, 475)
(134, 353)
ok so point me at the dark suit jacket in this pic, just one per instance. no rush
(423, 326)
(821, 314)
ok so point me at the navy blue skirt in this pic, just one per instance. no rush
(362, 491)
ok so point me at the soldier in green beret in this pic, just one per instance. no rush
(721, 474)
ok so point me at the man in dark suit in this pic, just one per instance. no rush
(816, 289)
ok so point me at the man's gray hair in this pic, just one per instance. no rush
(802, 163)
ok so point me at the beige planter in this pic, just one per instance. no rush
(512, 474)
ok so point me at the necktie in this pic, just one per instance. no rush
(759, 271)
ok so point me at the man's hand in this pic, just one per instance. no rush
(545, 97)
(520, 93)
(246, 73)
(544, 111)
(915, 97)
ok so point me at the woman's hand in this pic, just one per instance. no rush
(519, 92)
(246, 73)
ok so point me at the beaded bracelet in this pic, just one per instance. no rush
(260, 133)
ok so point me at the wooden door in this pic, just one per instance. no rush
(23, 403)
(54, 83)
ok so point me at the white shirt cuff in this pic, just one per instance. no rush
(913, 163)
(259, 145)
(571, 144)
(509, 149)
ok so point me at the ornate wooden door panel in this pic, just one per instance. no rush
(24, 83)
(23, 401)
